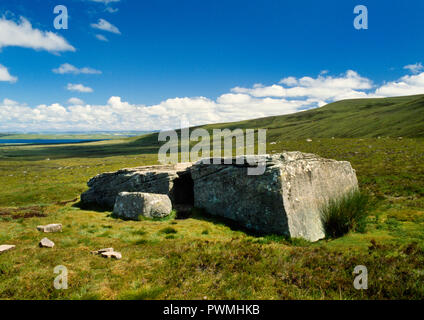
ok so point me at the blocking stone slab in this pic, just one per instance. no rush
(133, 205)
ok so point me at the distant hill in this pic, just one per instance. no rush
(356, 118)
(394, 117)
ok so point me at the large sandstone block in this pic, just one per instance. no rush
(285, 200)
(104, 187)
(133, 205)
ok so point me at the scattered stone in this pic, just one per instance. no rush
(285, 199)
(112, 254)
(132, 205)
(46, 243)
(308, 140)
(54, 227)
(102, 251)
(161, 179)
(6, 247)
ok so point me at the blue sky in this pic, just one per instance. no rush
(203, 61)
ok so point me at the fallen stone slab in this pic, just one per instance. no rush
(102, 251)
(54, 227)
(46, 243)
(286, 199)
(112, 254)
(134, 205)
(6, 247)
(104, 188)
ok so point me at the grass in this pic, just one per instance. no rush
(224, 262)
(341, 215)
(207, 257)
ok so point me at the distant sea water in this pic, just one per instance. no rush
(46, 141)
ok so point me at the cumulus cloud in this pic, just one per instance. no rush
(69, 68)
(321, 88)
(104, 25)
(414, 68)
(78, 87)
(121, 115)
(407, 85)
(5, 75)
(288, 96)
(22, 34)
(75, 101)
(101, 37)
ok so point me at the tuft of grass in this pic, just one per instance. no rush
(139, 232)
(168, 230)
(341, 215)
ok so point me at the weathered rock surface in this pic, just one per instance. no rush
(6, 247)
(54, 227)
(132, 205)
(152, 179)
(46, 243)
(285, 200)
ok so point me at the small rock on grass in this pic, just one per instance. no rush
(102, 251)
(54, 227)
(112, 254)
(46, 243)
(6, 247)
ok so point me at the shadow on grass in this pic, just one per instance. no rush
(90, 207)
(203, 215)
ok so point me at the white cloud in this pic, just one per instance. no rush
(69, 68)
(78, 87)
(407, 85)
(322, 88)
(112, 10)
(238, 104)
(414, 68)
(101, 37)
(75, 102)
(104, 25)
(5, 75)
(22, 34)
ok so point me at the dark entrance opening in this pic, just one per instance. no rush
(183, 195)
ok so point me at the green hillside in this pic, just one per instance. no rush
(357, 118)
